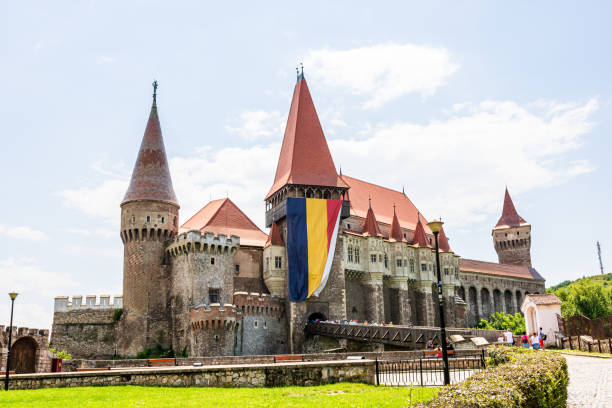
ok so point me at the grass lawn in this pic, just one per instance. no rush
(334, 395)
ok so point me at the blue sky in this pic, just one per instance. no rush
(453, 100)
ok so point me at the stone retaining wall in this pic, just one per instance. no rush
(254, 375)
(72, 365)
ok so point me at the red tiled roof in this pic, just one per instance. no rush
(420, 239)
(370, 226)
(395, 233)
(443, 241)
(383, 200)
(510, 217)
(544, 298)
(491, 268)
(274, 238)
(224, 217)
(304, 156)
(151, 175)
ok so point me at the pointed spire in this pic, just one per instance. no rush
(370, 226)
(341, 170)
(275, 238)
(403, 192)
(443, 242)
(151, 175)
(420, 239)
(509, 217)
(305, 157)
(396, 231)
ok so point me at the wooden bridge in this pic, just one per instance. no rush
(403, 336)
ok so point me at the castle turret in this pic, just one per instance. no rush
(512, 236)
(149, 218)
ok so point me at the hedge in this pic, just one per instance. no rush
(516, 377)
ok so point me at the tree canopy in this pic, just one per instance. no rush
(502, 321)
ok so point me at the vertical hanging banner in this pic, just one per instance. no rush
(312, 230)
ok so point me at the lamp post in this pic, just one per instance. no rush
(13, 296)
(435, 227)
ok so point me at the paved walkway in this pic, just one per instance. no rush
(590, 382)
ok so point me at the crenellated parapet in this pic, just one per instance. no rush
(65, 304)
(255, 304)
(196, 241)
(40, 335)
(214, 317)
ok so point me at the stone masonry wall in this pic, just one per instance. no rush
(275, 375)
(85, 333)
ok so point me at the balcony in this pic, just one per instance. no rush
(279, 212)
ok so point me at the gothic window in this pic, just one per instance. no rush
(399, 263)
(357, 255)
(423, 267)
(386, 261)
(373, 258)
(446, 271)
(212, 260)
(213, 295)
(350, 254)
(380, 258)
(412, 265)
(278, 262)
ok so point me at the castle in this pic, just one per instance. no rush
(217, 284)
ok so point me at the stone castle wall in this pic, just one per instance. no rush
(264, 326)
(87, 330)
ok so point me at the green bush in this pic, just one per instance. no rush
(502, 321)
(117, 315)
(519, 378)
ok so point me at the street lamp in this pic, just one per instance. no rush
(13, 296)
(435, 227)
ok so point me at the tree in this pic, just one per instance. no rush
(587, 298)
(502, 321)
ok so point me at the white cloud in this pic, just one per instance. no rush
(457, 167)
(36, 287)
(382, 72)
(99, 201)
(22, 232)
(105, 59)
(258, 124)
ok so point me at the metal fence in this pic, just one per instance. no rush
(428, 371)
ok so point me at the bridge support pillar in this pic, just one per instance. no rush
(373, 296)
(425, 304)
(403, 314)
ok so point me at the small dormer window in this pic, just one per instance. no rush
(348, 226)
(148, 218)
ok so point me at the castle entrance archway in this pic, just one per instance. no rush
(23, 355)
(316, 316)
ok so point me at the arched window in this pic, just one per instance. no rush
(350, 253)
(412, 265)
(357, 255)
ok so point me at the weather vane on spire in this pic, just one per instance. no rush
(154, 90)
(300, 75)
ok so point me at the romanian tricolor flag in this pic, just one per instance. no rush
(312, 229)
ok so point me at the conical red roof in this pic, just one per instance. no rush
(443, 241)
(420, 239)
(510, 217)
(151, 175)
(370, 226)
(274, 238)
(396, 231)
(304, 157)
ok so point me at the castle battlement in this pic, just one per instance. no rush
(214, 316)
(64, 304)
(258, 304)
(196, 241)
(40, 335)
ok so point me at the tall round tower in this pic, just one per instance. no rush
(512, 236)
(149, 219)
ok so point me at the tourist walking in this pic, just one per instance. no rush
(541, 337)
(509, 337)
(535, 341)
(525, 340)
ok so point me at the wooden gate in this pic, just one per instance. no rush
(23, 356)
